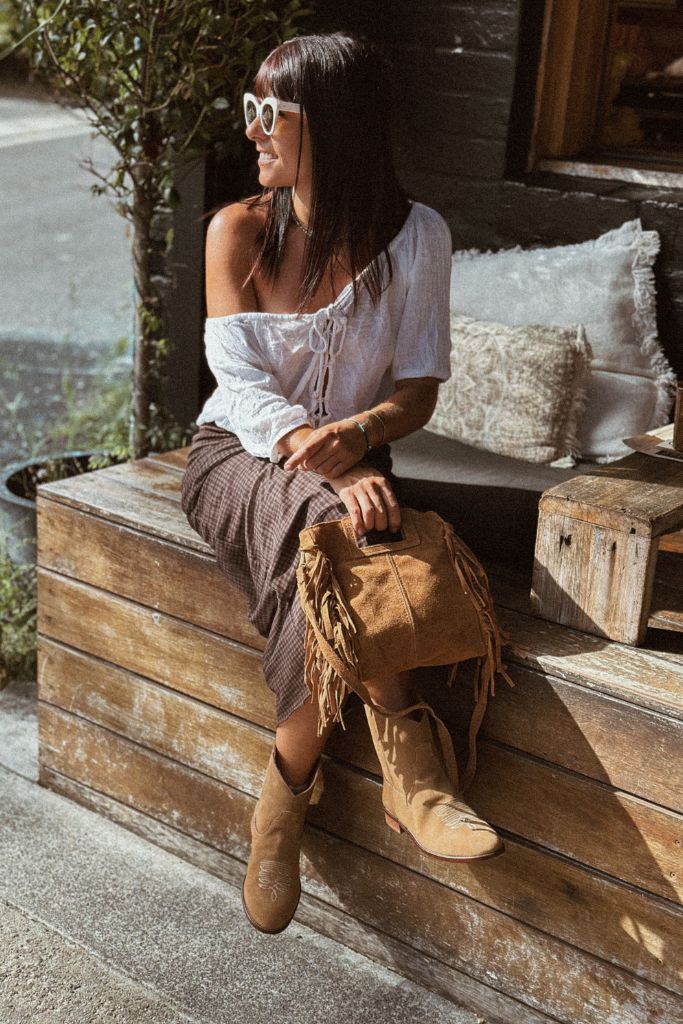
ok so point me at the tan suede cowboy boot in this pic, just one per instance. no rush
(272, 886)
(420, 790)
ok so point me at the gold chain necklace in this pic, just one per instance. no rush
(307, 231)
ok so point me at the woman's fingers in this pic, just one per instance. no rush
(352, 507)
(333, 465)
(374, 513)
(378, 505)
(393, 509)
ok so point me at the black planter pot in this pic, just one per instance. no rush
(18, 482)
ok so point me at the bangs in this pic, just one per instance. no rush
(280, 74)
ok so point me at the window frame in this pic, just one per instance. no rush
(568, 97)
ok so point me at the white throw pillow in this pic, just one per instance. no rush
(516, 391)
(606, 284)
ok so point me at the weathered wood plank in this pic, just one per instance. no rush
(590, 822)
(666, 609)
(167, 577)
(672, 542)
(147, 475)
(638, 490)
(511, 590)
(593, 578)
(149, 513)
(544, 890)
(605, 737)
(203, 665)
(484, 943)
(646, 678)
(175, 460)
(635, 675)
(594, 734)
(196, 662)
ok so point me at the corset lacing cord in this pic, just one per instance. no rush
(325, 339)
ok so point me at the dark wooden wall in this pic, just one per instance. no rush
(466, 74)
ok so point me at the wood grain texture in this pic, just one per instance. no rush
(596, 735)
(175, 460)
(544, 890)
(209, 667)
(638, 491)
(644, 677)
(150, 513)
(439, 921)
(593, 578)
(146, 703)
(206, 666)
(601, 737)
(666, 607)
(597, 544)
(165, 576)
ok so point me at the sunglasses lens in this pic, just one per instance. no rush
(250, 111)
(267, 117)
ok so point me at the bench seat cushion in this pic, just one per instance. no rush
(492, 500)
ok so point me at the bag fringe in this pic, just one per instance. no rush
(475, 582)
(324, 597)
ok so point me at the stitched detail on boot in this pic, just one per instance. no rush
(274, 876)
(453, 817)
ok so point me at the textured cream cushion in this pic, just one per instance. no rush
(516, 391)
(606, 284)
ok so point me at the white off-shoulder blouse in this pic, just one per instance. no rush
(270, 368)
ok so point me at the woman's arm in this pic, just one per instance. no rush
(367, 494)
(333, 449)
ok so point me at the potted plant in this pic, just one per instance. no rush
(161, 80)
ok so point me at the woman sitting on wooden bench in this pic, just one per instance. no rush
(328, 334)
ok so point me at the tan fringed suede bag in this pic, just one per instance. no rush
(374, 609)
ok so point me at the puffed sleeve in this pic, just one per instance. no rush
(423, 342)
(249, 393)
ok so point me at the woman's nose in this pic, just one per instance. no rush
(254, 130)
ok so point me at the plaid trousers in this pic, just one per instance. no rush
(251, 511)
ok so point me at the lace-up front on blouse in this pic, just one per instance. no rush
(325, 340)
(279, 371)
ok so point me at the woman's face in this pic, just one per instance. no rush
(278, 153)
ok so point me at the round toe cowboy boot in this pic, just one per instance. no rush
(272, 886)
(420, 790)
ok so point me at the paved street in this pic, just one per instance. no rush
(65, 272)
(65, 269)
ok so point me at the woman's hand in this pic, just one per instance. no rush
(330, 450)
(369, 499)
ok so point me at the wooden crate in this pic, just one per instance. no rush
(597, 547)
(154, 712)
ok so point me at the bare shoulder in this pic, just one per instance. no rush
(236, 224)
(231, 246)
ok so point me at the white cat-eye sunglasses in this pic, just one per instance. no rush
(266, 110)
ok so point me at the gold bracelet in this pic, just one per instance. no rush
(378, 417)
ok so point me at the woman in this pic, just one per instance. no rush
(328, 333)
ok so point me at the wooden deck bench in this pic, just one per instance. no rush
(153, 711)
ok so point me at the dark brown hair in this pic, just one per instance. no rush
(357, 205)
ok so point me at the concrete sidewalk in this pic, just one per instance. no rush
(99, 925)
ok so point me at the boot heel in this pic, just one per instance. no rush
(392, 823)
